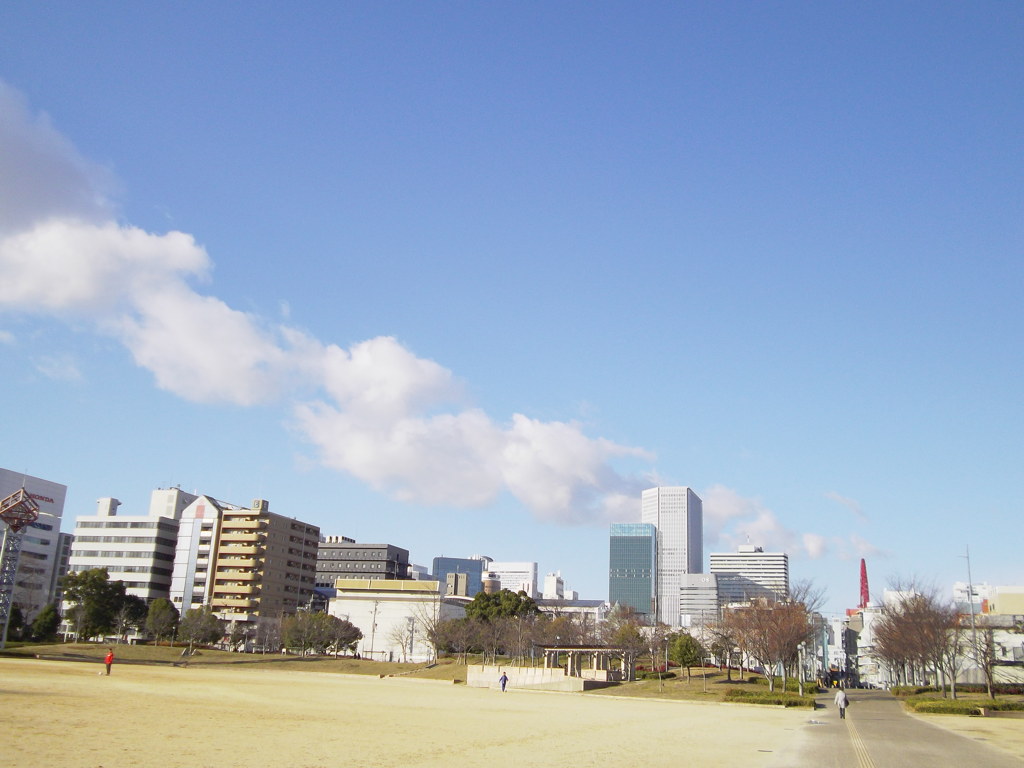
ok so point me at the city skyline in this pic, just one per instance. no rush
(469, 280)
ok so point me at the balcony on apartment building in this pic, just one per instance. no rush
(240, 548)
(234, 602)
(243, 523)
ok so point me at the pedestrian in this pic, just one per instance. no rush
(503, 680)
(109, 659)
(842, 701)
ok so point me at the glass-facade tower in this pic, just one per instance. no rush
(632, 567)
(474, 570)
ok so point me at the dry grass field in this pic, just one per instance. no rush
(271, 715)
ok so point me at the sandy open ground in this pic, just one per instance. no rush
(65, 714)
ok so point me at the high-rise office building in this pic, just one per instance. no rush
(40, 563)
(137, 550)
(632, 567)
(677, 513)
(340, 557)
(750, 572)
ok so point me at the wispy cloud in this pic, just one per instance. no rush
(374, 410)
(6, 337)
(731, 519)
(851, 504)
(58, 367)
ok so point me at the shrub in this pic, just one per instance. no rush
(912, 690)
(963, 706)
(649, 675)
(945, 706)
(792, 684)
(999, 689)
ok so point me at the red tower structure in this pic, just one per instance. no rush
(863, 584)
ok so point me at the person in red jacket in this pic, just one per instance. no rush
(109, 659)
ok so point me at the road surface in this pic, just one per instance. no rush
(877, 733)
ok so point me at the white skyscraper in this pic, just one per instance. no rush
(678, 515)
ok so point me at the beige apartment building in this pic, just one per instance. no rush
(245, 563)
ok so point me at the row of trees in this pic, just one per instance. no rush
(919, 636)
(319, 632)
(773, 633)
(43, 627)
(510, 624)
(101, 607)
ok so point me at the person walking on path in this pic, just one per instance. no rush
(842, 701)
(109, 659)
(503, 680)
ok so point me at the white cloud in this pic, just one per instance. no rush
(375, 410)
(851, 504)
(731, 519)
(70, 266)
(6, 337)
(815, 545)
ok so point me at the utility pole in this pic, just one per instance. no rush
(970, 599)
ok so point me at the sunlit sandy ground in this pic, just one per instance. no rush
(65, 714)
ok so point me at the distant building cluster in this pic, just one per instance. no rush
(249, 565)
(656, 569)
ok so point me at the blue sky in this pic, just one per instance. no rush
(466, 277)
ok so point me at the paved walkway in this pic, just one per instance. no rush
(877, 733)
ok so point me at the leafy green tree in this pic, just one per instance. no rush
(303, 631)
(505, 603)
(686, 651)
(200, 626)
(46, 623)
(131, 614)
(162, 618)
(15, 623)
(98, 598)
(316, 632)
(344, 635)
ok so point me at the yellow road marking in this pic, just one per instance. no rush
(863, 758)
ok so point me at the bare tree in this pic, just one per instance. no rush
(982, 650)
(917, 633)
(401, 635)
(657, 638)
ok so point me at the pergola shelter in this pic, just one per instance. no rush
(600, 659)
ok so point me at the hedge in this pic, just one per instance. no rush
(747, 696)
(963, 706)
(999, 689)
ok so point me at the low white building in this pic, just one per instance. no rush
(394, 615)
